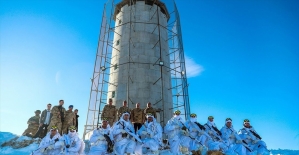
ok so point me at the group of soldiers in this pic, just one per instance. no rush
(126, 131)
(137, 131)
(56, 116)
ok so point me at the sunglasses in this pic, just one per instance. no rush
(228, 119)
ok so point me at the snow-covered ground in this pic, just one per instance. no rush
(12, 144)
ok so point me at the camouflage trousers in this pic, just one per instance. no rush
(111, 122)
(31, 130)
(65, 127)
(57, 123)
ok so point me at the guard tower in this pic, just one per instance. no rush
(140, 59)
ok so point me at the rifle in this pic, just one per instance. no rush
(66, 142)
(219, 133)
(243, 141)
(200, 126)
(216, 134)
(130, 132)
(45, 147)
(255, 134)
(110, 143)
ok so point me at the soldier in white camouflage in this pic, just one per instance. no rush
(58, 116)
(137, 117)
(122, 109)
(33, 124)
(150, 109)
(69, 120)
(109, 112)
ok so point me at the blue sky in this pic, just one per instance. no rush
(243, 61)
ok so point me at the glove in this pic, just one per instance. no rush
(193, 130)
(123, 131)
(50, 147)
(239, 141)
(144, 133)
(177, 127)
(152, 135)
(248, 137)
(184, 128)
(201, 132)
(210, 132)
(56, 140)
(101, 137)
(67, 146)
(232, 136)
(255, 141)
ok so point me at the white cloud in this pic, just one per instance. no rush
(193, 69)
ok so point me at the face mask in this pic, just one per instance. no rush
(72, 134)
(193, 119)
(177, 117)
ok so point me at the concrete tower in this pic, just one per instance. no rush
(140, 56)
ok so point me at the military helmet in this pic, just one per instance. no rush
(193, 115)
(37, 111)
(72, 128)
(177, 112)
(104, 119)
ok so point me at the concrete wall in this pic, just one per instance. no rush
(137, 48)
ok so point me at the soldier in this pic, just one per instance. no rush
(58, 116)
(33, 124)
(77, 116)
(70, 119)
(50, 144)
(252, 138)
(150, 109)
(101, 139)
(122, 109)
(197, 134)
(44, 122)
(215, 143)
(151, 135)
(123, 131)
(177, 134)
(232, 139)
(137, 117)
(109, 112)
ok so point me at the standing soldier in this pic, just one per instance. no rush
(44, 122)
(58, 116)
(150, 109)
(137, 117)
(109, 112)
(33, 124)
(122, 109)
(70, 119)
(77, 116)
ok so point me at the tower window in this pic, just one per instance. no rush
(117, 42)
(115, 66)
(113, 94)
(119, 22)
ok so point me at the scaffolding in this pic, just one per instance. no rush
(103, 67)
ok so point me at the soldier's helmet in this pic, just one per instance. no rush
(177, 112)
(37, 111)
(126, 111)
(193, 115)
(105, 119)
(149, 115)
(72, 128)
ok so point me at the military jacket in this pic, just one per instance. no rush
(33, 121)
(121, 110)
(109, 112)
(70, 118)
(137, 115)
(150, 110)
(57, 115)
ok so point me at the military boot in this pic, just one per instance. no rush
(194, 152)
(198, 152)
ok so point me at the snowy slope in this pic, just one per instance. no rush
(11, 144)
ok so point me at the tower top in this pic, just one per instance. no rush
(148, 2)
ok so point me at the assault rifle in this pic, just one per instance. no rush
(200, 126)
(44, 148)
(243, 141)
(255, 134)
(219, 133)
(130, 132)
(110, 143)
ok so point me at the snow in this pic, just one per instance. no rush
(8, 150)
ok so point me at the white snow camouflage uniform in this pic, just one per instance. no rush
(123, 144)
(75, 143)
(176, 136)
(232, 140)
(151, 135)
(48, 146)
(216, 142)
(99, 145)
